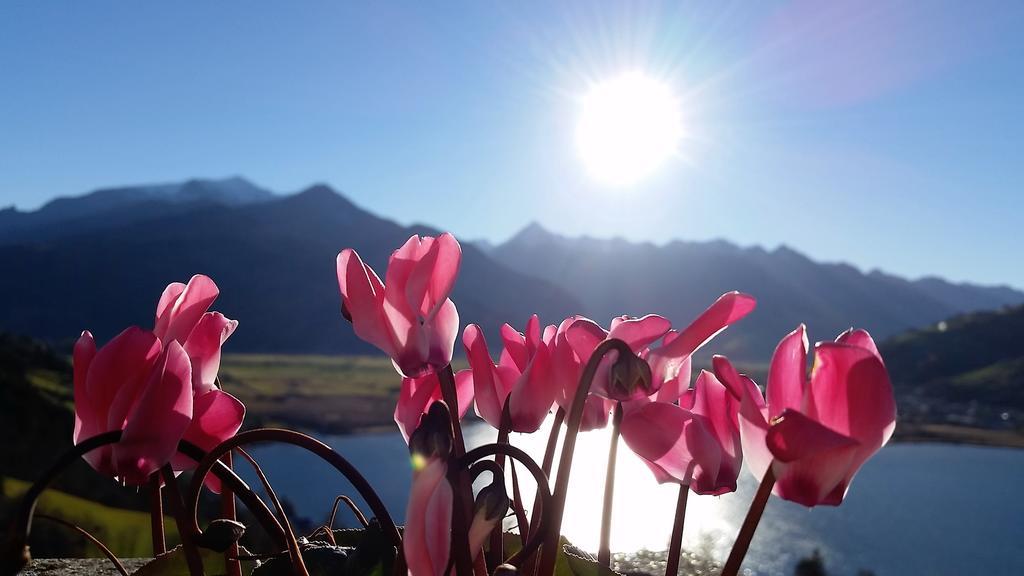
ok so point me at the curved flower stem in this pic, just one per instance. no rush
(15, 555)
(675, 546)
(739, 548)
(246, 494)
(232, 566)
(604, 554)
(156, 515)
(298, 564)
(463, 509)
(351, 506)
(549, 454)
(192, 557)
(95, 541)
(549, 450)
(308, 443)
(549, 552)
(496, 551)
(541, 524)
(517, 503)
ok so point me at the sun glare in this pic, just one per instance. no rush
(628, 127)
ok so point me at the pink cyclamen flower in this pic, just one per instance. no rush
(134, 384)
(522, 376)
(567, 367)
(815, 434)
(695, 443)
(182, 316)
(584, 336)
(417, 394)
(688, 436)
(409, 316)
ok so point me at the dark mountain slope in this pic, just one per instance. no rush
(975, 357)
(679, 279)
(274, 262)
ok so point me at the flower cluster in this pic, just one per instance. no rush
(147, 395)
(807, 435)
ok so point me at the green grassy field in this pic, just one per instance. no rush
(324, 393)
(125, 532)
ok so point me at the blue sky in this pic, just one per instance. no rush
(885, 134)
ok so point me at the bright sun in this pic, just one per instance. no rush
(628, 127)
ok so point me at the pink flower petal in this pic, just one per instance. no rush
(859, 338)
(487, 389)
(534, 393)
(721, 411)
(675, 385)
(158, 421)
(442, 334)
(417, 394)
(639, 333)
(180, 318)
(671, 438)
(811, 460)
(216, 416)
(204, 349)
(787, 374)
(850, 392)
(118, 373)
(584, 336)
(163, 307)
(363, 297)
(88, 421)
(728, 309)
(514, 348)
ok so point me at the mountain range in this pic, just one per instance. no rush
(99, 261)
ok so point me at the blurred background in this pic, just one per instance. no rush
(847, 163)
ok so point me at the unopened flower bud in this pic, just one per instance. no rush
(491, 503)
(630, 378)
(433, 437)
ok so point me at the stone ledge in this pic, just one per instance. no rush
(79, 566)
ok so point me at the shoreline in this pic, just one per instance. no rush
(906, 433)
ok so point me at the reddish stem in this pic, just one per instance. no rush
(463, 505)
(604, 554)
(739, 548)
(156, 515)
(298, 563)
(496, 551)
(228, 510)
(549, 552)
(543, 493)
(192, 557)
(518, 508)
(675, 547)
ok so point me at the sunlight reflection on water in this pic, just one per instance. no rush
(914, 509)
(643, 510)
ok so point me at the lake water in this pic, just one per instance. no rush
(913, 509)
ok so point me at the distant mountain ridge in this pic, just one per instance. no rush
(679, 279)
(99, 262)
(274, 261)
(105, 207)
